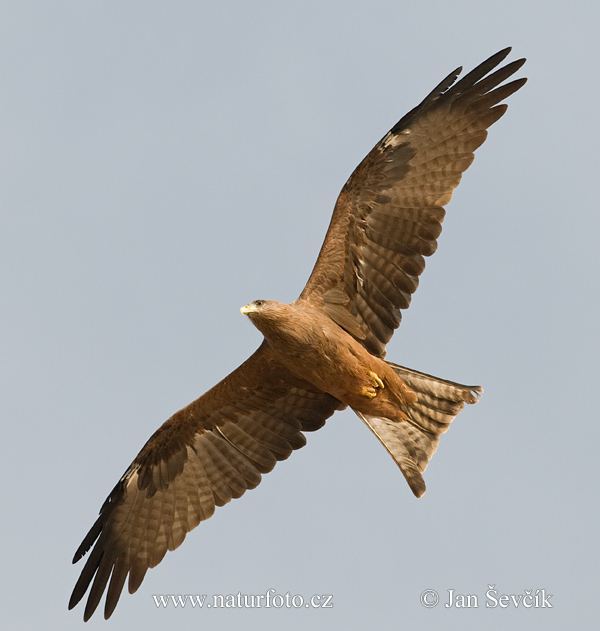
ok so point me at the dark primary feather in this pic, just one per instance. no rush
(389, 214)
(209, 452)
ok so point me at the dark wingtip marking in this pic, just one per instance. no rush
(89, 539)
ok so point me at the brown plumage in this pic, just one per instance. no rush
(320, 354)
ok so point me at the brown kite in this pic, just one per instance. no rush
(323, 352)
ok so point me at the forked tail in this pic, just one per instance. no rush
(413, 442)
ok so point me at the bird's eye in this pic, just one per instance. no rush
(259, 303)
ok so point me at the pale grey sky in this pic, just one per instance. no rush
(163, 164)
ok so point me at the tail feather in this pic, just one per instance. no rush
(413, 442)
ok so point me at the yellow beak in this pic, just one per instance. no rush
(247, 309)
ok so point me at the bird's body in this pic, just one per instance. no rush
(317, 350)
(322, 353)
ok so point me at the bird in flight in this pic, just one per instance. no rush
(321, 353)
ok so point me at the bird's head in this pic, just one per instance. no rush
(266, 314)
(255, 307)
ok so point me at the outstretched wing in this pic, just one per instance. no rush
(209, 452)
(389, 213)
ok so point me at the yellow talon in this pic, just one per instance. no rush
(375, 380)
(369, 392)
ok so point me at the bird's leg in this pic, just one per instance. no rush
(375, 380)
(368, 391)
(371, 391)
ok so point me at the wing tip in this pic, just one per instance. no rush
(501, 54)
